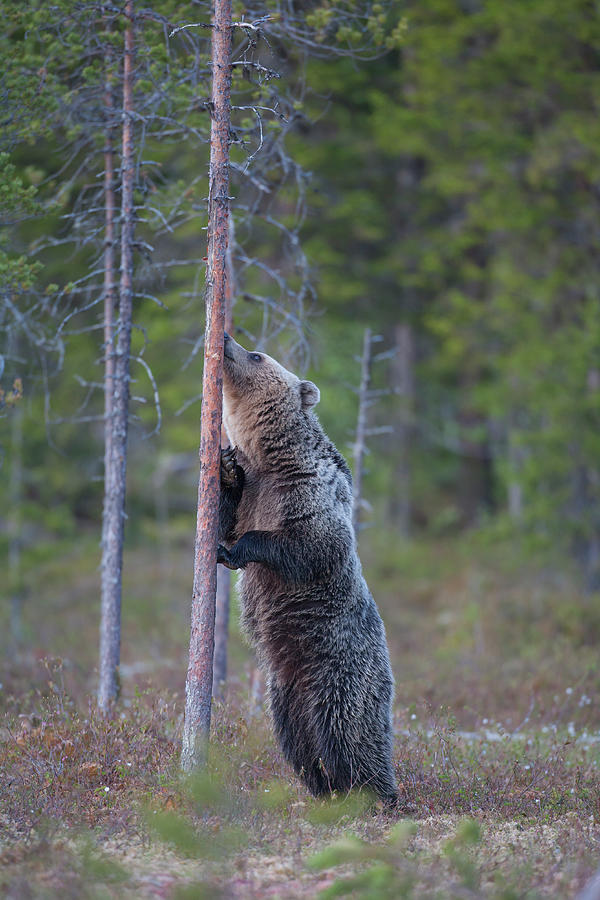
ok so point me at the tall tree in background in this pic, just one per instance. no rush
(198, 688)
(109, 269)
(116, 476)
(87, 66)
(359, 448)
(15, 529)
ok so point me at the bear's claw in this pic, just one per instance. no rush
(224, 557)
(228, 467)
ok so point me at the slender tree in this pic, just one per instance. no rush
(109, 262)
(107, 628)
(14, 529)
(200, 669)
(358, 451)
(112, 551)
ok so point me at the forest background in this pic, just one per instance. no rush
(441, 189)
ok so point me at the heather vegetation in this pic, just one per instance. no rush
(497, 745)
(426, 170)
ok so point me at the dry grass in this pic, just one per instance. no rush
(497, 752)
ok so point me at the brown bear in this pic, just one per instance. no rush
(286, 520)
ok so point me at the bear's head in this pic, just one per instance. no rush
(262, 398)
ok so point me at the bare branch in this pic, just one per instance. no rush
(144, 364)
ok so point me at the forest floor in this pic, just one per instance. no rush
(497, 748)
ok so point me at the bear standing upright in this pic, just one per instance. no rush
(286, 520)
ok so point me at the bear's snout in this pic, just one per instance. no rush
(227, 346)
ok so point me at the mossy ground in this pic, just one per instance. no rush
(497, 750)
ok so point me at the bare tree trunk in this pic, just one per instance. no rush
(109, 312)
(14, 529)
(358, 452)
(404, 390)
(109, 274)
(198, 686)
(112, 551)
(515, 488)
(223, 573)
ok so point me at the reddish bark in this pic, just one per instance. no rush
(112, 551)
(202, 635)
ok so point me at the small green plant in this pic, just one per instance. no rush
(457, 851)
(386, 869)
(393, 868)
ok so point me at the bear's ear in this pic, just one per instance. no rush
(309, 394)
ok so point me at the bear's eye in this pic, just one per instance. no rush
(256, 357)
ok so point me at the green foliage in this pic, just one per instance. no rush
(455, 192)
(390, 869)
(98, 868)
(467, 835)
(17, 273)
(196, 842)
(473, 642)
(351, 806)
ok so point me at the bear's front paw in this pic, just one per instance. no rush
(224, 557)
(229, 476)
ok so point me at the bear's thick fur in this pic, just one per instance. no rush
(286, 520)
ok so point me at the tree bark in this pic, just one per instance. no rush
(113, 531)
(223, 573)
(516, 456)
(358, 452)
(15, 580)
(198, 687)
(109, 275)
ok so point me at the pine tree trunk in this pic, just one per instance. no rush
(114, 504)
(358, 452)
(109, 274)
(198, 687)
(516, 457)
(15, 585)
